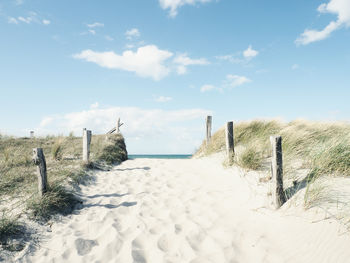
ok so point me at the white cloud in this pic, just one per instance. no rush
(96, 24)
(250, 52)
(132, 33)
(207, 87)
(240, 57)
(173, 5)
(46, 22)
(26, 20)
(163, 99)
(147, 61)
(12, 20)
(341, 8)
(92, 31)
(145, 130)
(231, 58)
(183, 61)
(31, 18)
(233, 81)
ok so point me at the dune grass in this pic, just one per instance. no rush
(65, 169)
(322, 148)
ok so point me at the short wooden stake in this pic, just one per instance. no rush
(39, 160)
(277, 171)
(230, 150)
(208, 123)
(86, 145)
(118, 126)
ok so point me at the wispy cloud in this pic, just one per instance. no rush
(183, 61)
(341, 8)
(240, 57)
(132, 34)
(12, 20)
(96, 24)
(163, 99)
(147, 61)
(207, 87)
(174, 5)
(31, 18)
(233, 81)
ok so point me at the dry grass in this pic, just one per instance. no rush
(322, 148)
(18, 179)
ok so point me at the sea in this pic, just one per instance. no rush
(160, 156)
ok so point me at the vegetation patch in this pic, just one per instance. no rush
(57, 200)
(114, 151)
(9, 227)
(250, 158)
(322, 148)
(65, 171)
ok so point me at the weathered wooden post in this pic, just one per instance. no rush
(208, 124)
(31, 134)
(277, 171)
(39, 160)
(86, 145)
(118, 126)
(230, 150)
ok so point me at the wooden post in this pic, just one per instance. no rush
(86, 145)
(230, 150)
(277, 171)
(118, 126)
(31, 134)
(208, 123)
(39, 160)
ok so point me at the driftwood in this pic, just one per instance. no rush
(39, 160)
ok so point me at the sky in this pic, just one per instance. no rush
(162, 66)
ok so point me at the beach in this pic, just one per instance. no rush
(187, 210)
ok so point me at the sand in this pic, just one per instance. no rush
(153, 210)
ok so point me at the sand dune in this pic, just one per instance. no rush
(150, 210)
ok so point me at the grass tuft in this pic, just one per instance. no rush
(250, 158)
(9, 227)
(57, 200)
(56, 151)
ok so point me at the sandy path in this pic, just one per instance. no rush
(149, 210)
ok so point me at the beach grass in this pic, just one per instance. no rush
(322, 148)
(65, 169)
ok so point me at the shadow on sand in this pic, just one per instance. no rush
(132, 169)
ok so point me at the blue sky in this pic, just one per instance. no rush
(163, 65)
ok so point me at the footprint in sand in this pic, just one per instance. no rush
(84, 246)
